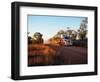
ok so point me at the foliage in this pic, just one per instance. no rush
(83, 29)
(36, 39)
(29, 40)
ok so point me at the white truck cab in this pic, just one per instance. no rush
(67, 40)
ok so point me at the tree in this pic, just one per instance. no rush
(37, 38)
(83, 29)
(73, 35)
(60, 32)
(68, 32)
(29, 38)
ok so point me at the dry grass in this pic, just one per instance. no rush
(40, 53)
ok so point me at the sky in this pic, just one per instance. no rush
(50, 25)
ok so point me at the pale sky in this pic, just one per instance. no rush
(50, 25)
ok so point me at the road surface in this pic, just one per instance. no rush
(70, 55)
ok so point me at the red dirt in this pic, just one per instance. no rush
(62, 55)
(71, 54)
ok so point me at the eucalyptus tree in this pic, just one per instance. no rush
(37, 38)
(83, 29)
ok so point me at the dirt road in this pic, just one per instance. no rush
(70, 55)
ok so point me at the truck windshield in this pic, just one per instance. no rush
(66, 37)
